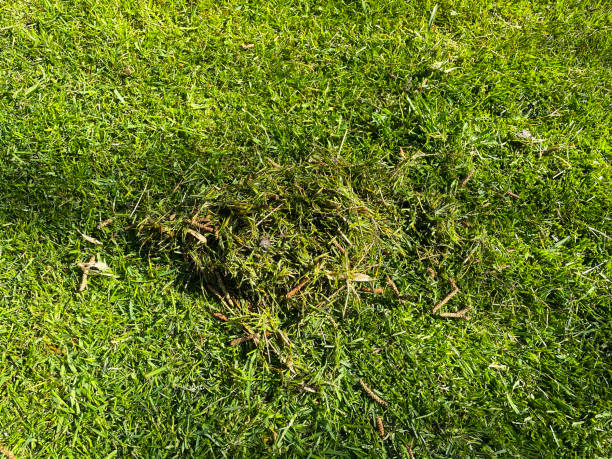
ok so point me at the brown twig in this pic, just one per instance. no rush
(339, 246)
(369, 391)
(220, 316)
(456, 315)
(373, 290)
(393, 287)
(294, 292)
(201, 226)
(467, 178)
(514, 195)
(447, 298)
(177, 185)
(242, 339)
(275, 164)
(410, 453)
(381, 428)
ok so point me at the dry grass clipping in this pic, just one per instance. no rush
(371, 393)
(447, 298)
(300, 212)
(381, 427)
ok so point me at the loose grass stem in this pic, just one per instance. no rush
(371, 393)
(295, 291)
(381, 427)
(447, 298)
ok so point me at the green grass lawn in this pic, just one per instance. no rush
(461, 142)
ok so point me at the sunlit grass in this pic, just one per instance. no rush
(334, 147)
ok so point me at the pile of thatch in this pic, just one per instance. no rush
(287, 236)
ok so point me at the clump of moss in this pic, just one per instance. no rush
(284, 236)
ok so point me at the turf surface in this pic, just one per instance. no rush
(492, 122)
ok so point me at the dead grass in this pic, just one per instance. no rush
(283, 237)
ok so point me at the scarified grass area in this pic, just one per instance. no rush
(287, 235)
(287, 191)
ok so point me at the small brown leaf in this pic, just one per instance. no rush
(90, 239)
(247, 45)
(99, 266)
(242, 339)
(220, 316)
(524, 134)
(197, 235)
(548, 151)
